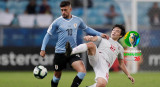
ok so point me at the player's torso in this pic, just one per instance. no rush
(67, 31)
(110, 49)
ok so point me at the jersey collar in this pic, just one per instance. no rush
(68, 20)
(112, 39)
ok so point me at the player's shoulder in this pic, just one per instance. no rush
(120, 46)
(77, 18)
(58, 19)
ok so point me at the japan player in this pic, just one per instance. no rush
(102, 57)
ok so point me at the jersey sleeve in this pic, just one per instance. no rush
(93, 32)
(121, 53)
(89, 30)
(82, 24)
(45, 41)
(52, 28)
(98, 41)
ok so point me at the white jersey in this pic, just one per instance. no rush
(110, 49)
(106, 53)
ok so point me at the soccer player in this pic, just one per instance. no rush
(66, 27)
(102, 57)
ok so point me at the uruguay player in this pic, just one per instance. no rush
(66, 27)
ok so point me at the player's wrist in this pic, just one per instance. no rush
(90, 37)
(128, 75)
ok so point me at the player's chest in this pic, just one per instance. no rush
(65, 26)
(111, 45)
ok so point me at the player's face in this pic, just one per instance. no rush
(116, 33)
(66, 11)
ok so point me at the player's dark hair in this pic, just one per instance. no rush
(65, 3)
(123, 31)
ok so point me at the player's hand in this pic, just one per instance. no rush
(88, 38)
(105, 36)
(42, 53)
(131, 78)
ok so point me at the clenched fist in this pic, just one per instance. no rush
(42, 53)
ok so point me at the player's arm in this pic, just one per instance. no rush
(124, 69)
(95, 39)
(51, 29)
(91, 31)
(44, 44)
(90, 38)
(123, 66)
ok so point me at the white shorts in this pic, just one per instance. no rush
(100, 65)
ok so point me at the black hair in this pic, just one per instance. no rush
(123, 31)
(65, 3)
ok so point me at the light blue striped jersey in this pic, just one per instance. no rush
(67, 32)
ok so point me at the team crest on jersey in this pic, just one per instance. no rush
(75, 25)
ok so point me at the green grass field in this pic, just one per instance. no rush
(26, 79)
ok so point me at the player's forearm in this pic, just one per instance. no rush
(96, 39)
(91, 38)
(123, 67)
(45, 41)
(92, 32)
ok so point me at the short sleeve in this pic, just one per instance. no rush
(121, 53)
(98, 41)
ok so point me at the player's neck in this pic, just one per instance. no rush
(115, 39)
(69, 17)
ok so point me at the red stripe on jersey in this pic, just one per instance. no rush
(107, 76)
(112, 48)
